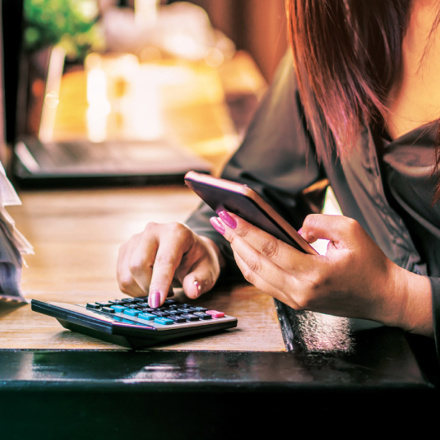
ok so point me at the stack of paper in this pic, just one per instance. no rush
(13, 244)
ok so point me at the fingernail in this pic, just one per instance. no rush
(155, 299)
(227, 219)
(217, 225)
(198, 287)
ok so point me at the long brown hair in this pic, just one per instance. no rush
(347, 55)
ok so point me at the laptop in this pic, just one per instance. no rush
(78, 162)
(40, 161)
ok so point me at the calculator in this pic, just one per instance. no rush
(131, 322)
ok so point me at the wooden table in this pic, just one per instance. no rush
(276, 368)
(76, 235)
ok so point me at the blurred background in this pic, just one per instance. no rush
(133, 57)
(257, 26)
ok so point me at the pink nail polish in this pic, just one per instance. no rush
(155, 299)
(227, 219)
(198, 287)
(217, 225)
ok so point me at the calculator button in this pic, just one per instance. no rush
(93, 306)
(108, 310)
(146, 316)
(215, 313)
(203, 315)
(131, 312)
(118, 309)
(160, 313)
(163, 321)
(177, 319)
(190, 317)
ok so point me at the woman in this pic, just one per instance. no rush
(357, 105)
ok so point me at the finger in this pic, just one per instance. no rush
(168, 258)
(141, 262)
(262, 284)
(128, 282)
(128, 285)
(266, 244)
(199, 279)
(255, 266)
(335, 228)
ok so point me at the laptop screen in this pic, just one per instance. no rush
(11, 37)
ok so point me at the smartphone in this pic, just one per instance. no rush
(240, 199)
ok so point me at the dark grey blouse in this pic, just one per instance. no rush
(389, 191)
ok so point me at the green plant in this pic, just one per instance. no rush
(72, 24)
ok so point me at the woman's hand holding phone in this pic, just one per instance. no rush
(353, 279)
(150, 262)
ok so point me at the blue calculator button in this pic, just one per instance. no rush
(118, 309)
(163, 321)
(146, 316)
(131, 312)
